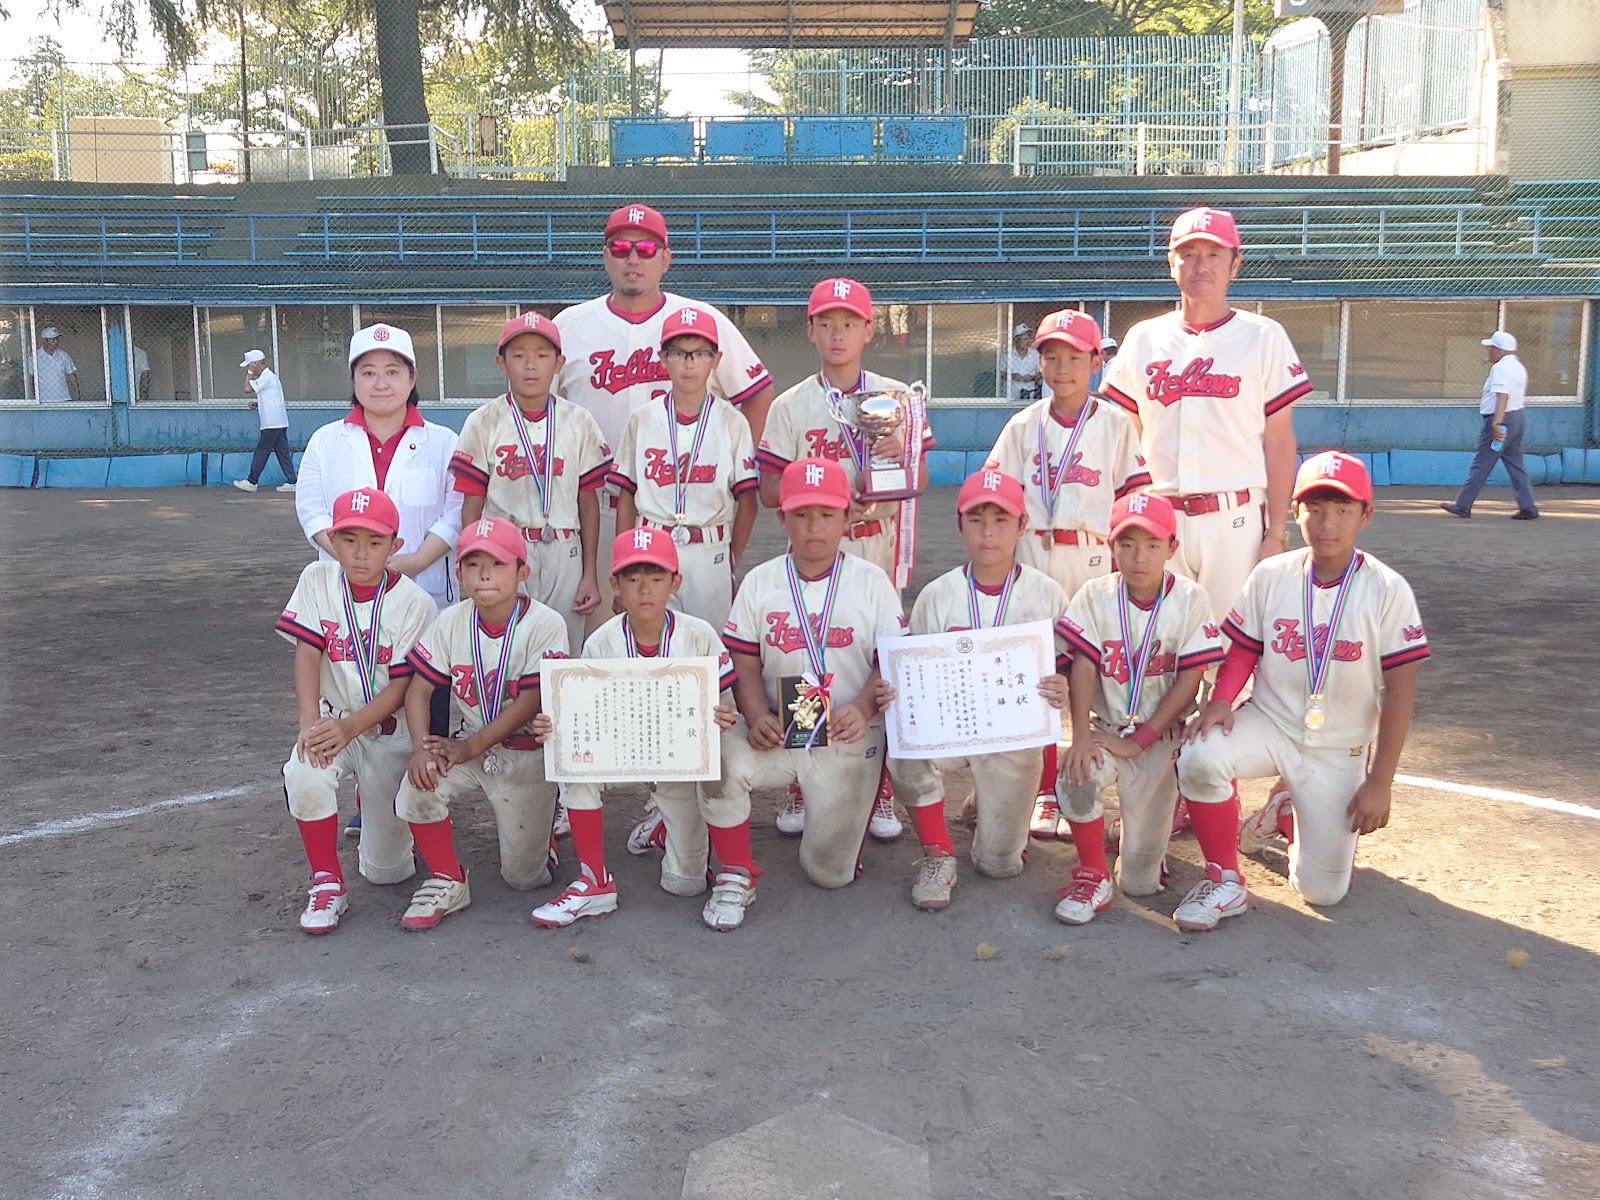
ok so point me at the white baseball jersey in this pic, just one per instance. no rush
(489, 461)
(315, 615)
(723, 469)
(443, 656)
(1203, 396)
(614, 360)
(800, 425)
(1379, 628)
(50, 373)
(1105, 463)
(1186, 638)
(684, 636)
(945, 604)
(271, 408)
(764, 623)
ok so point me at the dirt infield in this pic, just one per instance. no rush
(168, 1032)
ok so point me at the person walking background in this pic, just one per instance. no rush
(274, 413)
(1500, 433)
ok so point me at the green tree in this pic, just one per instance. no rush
(1116, 18)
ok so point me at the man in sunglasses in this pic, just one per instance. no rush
(613, 344)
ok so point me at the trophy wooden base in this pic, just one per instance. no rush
(891, 482)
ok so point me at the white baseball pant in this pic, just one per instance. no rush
(1070, 566)
(1147, 790)
(377, 762)
(602, 612)
(1321, 783)
(1218, 549)
(877, 549)
(1005, 784)
(707, 588)
(524, 809)
(686, 809)
(839, 783)
(554, 571)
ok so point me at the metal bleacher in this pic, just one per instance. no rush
(797, 138)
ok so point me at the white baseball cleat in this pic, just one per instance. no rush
(1088, 895)
(883, 824)
(1219, 895)
(584, 898)
(435, 900)
(1261, 830)
(562, 825)
(1047, 820)
(244, 485)
(734, 892)
(792, 816)
(325, 905)
(649, 834)
(286, 487)
(935, 879)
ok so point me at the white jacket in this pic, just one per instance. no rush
(338, 458)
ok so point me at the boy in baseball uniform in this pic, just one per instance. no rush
(1333, 640)
(802, 425)
(1140, 642)
(539, 461)
(1075, 454)
(352, 622)
(686, 464)
(803, 634)
(645, 575)
(992, 589)
(486, 650)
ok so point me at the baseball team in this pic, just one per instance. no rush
(600, 507)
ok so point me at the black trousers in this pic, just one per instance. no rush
(272, 441)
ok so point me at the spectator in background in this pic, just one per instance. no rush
(1500, 430)
(1022, 373)
(1108, 355)
(273, 412)
(54, 373)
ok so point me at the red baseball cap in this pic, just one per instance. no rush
(992, 486)
(1075, 328)
(1334, 471)
(499, 539)
(637, 216)
(813, 481)
(530, 322)
(1205, 224)
(365, 508)
(643, 545)
(689, 321)
(1146, 511)
(840, 293)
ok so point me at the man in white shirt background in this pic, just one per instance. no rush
(274, 413)
(1500, 432)
(1108, 355)
(54, 372)
(1023, 372)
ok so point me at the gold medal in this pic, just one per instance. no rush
(1314, 716)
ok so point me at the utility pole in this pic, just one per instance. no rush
(244, 106)
(1235, 88)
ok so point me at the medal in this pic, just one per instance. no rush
(491, 763)
(683, 471)
(680, 535)
(1320, 658)
(491, 698)
(1050, 480)
(816, 643)
(364, 650)
(1138, 659)
(999, 608)
(543, 473)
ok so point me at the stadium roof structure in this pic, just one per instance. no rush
(759, 24)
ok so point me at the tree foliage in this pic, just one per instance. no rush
(1117, 18)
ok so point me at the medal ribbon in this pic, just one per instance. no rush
(816, 641)
(1050, 480)
(1138, 660)
(365, 652)
(681, 473)
(852, 439)
(1317, 664)
(543, 480)
(1000, 609)
(489, 704)
(631, 647)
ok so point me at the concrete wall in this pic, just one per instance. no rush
(1551, 32)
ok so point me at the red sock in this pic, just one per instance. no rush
(588, 841)
(1047, 777)
(437, 841)
(1090, 839)
(885, 784)
(321, 839)
(1286, 823)
(932, 832)
(732, 846)
(1216, 828)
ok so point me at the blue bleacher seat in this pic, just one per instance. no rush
(928, 139)
(647, 139)
(746, 139)
(833, 139)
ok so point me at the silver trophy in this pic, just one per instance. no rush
(878, 414)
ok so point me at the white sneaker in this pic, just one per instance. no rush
(583, 899)
(649, 834)
(1088, 895)
(792, 816)
(244, 485)
(326, 904)
(1047, 819)
(563, 825)
(1220, 894)
(883, 824)
(435, 900)
(935, 878)
(1261, 830)
(733, 893)
(286, 487)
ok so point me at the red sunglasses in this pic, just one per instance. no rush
(622, 247)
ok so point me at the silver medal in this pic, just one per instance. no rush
(680, 534)
(547, 533)
(491, 763)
